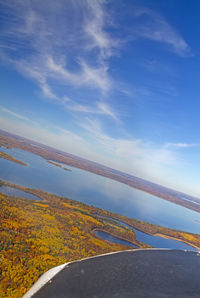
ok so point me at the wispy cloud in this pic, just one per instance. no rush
(56, 136)
(180, 145)
(16, 115)
(64, 43)
(95, 29)
(135, 156)
(130, 154)
(100, 108)
(154, 27)
(105, 109)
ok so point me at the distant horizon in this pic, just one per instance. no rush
(100, 164)
(115, 82)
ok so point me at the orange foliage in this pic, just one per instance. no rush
(36, 236)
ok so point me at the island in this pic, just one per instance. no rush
(9, 157)
(58, 165)
(8, 140)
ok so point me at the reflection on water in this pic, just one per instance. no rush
(106, 236)
(160, 242)
(156, 241)
(17, 193)
(97, 191)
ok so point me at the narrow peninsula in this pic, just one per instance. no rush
(9, 157)
(38, 235)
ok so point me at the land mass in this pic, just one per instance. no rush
(12, 141)
(58, 165)
(9, 157)
(38, 235)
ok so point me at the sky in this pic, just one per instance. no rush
(116, 82)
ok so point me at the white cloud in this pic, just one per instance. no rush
(180, 145)
(52, 135)
(95, 29)
(131, 155)
(49, 38)
(16, 115)
(148, 160)
(105, 109)
(47, 90)
(96, 76)
(100, 108)
(71, 136)
(156, 28)
(65, 43)
(134, 156)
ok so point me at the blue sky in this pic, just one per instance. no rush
(116, 82)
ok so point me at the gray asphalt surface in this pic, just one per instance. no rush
(149, 273)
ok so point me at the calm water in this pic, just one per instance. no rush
(97, 191)
(155, 241)
(106, 236)
(17, 192)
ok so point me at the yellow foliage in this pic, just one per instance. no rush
(41, 205)
(36, 237)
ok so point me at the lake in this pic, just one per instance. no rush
(17, 193)
(97, 191)
(154, 241)
(106, 236)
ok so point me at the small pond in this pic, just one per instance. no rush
(157, 241)
(109, 237)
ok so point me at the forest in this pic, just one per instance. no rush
(38, 235)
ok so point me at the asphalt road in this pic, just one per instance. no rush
(139, 273)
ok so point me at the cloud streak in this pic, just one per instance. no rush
(100, 108)
(68, 45)
(132, 155)
(154, 27)
(94, 28)
(135, 156)
(61, 43)
(16, 115)
(180, 145)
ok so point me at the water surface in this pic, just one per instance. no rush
(157, 241)
(97, 191)
(11, 191)
(106, 236)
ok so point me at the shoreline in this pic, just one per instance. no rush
(177, 239)
(156, 234)
(10, 158)
(101, 230)
(140, 184)
(41, 195)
